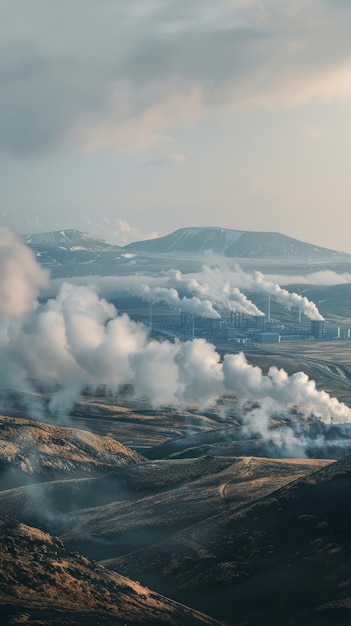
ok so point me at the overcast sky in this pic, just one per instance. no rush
(126, 118)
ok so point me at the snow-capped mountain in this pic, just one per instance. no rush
(66, 240)
(68, 253)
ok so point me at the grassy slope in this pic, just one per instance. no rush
(42, 583)
(282, 560)
(32, 451)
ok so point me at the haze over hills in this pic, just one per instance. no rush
(233, 243)
(282, 560)
(205, 515)
(175, 349)
(31, 451)
(70, 239)
(131, 498)
(74, 253)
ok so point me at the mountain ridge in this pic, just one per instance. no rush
(67, 239)
(233, 243)
(189, 241)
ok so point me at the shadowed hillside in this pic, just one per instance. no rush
(139, 505)
(282, 560)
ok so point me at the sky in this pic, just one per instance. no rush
(129, 120)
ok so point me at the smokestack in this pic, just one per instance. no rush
(269, 308)
(78, 340)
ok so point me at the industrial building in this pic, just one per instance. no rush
(318, 329)
(238, 327)
(243, 329)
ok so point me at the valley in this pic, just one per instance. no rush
(175, 313)
(149, 475)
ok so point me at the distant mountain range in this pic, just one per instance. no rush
(221, 241)
(66, 240)
(233, 243)
(68, 253)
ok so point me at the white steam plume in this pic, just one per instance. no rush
(247, 382)
(170, 296)
(21, 277)
(220, 292)
(256, 281)
(285, 297)
(79, 339)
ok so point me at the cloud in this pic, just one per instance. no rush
(214, 287)
(125, 233)
(170, 159)
(78, 340)
(129, 130)
(126, 76)
(169, 295)
(338, 4)
(301, 86)
(316, 134)
(118, 231)
(224, 283)
(323, 277)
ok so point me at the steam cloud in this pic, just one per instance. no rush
(170, 296)
(78, 339)
(283, 296)
(21, 277)
(223, 289)
(257, 282)
(221, 293)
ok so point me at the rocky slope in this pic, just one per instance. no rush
(42, 583)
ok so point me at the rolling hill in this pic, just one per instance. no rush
(31, 451)
(138, 505)
(281, 560)
(42, 583)
(222, 534)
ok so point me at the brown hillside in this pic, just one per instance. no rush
(31, 451)
(42, 583)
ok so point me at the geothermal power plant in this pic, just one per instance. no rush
(238, 327)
